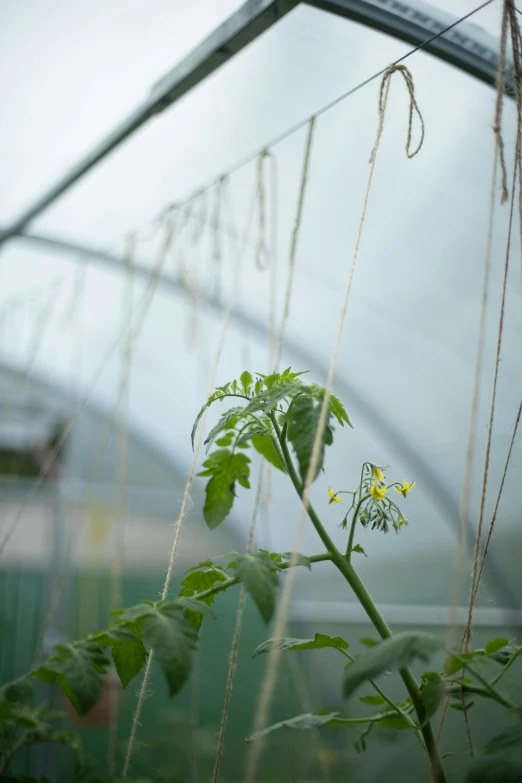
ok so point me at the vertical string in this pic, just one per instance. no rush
(272, 313)
(122, 477)
(237, 631)
(217, 252)
(74, 535)
(470, 450)
(188, 485)
(138, 321)
(283, 606)
(261, 250)
(295, 238)
(508, 21)
(476, 554)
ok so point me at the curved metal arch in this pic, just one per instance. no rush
(440, 496)
(465, 47)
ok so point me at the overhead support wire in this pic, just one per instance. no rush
(246, 25)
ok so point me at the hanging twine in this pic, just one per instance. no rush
(485, 477)
(217, 251)
(261, 251)
(383, 99)
(237, 631)
(509, 24)
(118, 559)
(499, 103)
(74, 534)
(295, 239)
(265, 697)
(184, 504)
(201, 219)
(509, 21)
(142, 310)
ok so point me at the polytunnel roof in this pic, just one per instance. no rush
(408, 353)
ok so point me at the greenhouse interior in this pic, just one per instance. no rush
(260, 391)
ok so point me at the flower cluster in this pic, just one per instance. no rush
(370, 502)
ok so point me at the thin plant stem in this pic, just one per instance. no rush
(506, 667)
(379, 623)
(352, 527)
(386, 698)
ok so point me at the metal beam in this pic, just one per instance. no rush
(247, 24)
(396, 614)
(372, 417)
(466, 46)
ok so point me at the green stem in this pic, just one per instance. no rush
(371, 719)
(351, 576)
(352, 528)
(216, 588)
(386, 698)
(506, 667)
(494, 694)
(468, 688)
(16, 748)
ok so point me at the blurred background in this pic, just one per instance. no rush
(164, 236)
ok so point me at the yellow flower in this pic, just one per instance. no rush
(405, 488)
(377, 493)
(377, 474)
(333, 497)
(402, 521)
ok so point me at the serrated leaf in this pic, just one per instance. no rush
(455, 663)
(257, 573)
(338, 410)
(358, 548)
(303, 722)
(510, 737)
(226, 440)
(222, 424)
(279, 644)
(372, 699)
(76, 669)
(6, 708)
(246, 381)
(432, 692)
(496, 644)
(204, 564)
(368, 641)
(495, 770)
(267, 400)
(173, 640)
(113, 633)
(398, 722)
(458, 705)
(501, 656)
(396, 652)
(302, 419)
(322, 640)
(298, 559)
(196, 422)
(196, 582)
(129, 658)
(249, 434)
(128, 653)
(264, 445)
(220, 490)
(195, 610)
(275, 556)
(20, 691)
